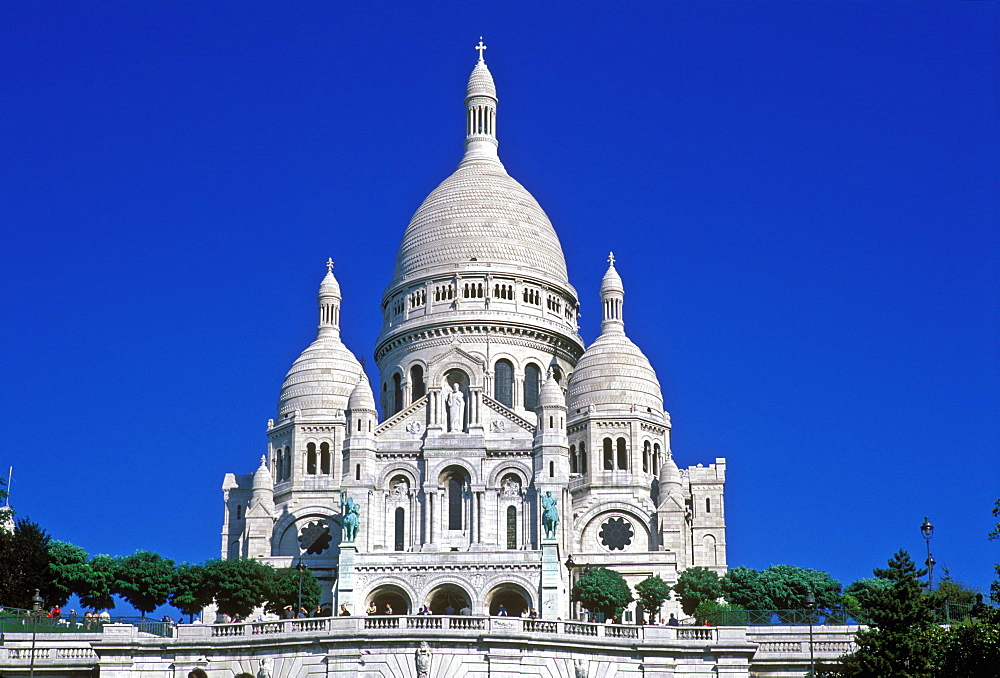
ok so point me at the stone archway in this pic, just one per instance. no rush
(391, 595)
(449, 599)
(513, 597)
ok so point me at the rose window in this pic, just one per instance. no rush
(315, 537)
(616, 534)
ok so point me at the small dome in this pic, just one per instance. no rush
(612, 282)
(321, 380)
(329, 287)
(551, 394)
(262, 479)
(614, 374)
(361, 397)
(669, 473)
(481, 82)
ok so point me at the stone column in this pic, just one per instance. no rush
(551, 581)
(345, 578)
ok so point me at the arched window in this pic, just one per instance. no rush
(455, 503)
(711, 553)
(609, 456)
(239, 512)
(532, 377)
(397, 393)
(311, 459)
(511, 527)
(708, 504)
(324, 458)
(417, 387)
(583, 457)
(645, 457)
(656, 458)
(400, 526)
(503, 382)
(277, 463)
(288, 463)
(622, 455)
(357, 472)
(573, 468)
(552, 469)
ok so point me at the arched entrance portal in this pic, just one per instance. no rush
(390, 595)
(514, 599)
(449, 599)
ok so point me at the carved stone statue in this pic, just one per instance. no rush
(352, 518)
(550, 515)
(511, 488)
(423, 660)
(400, 491)
(266, 664)
(456, 410)
(580, 668)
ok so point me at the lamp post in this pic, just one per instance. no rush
(569, 568)
(301, 567)
(927, 530)
(36, 612)
(809, 602)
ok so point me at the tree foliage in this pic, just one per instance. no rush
(602, 590)
(696, 584)
(192, 590)
(282, 588)
(98, 583)
(24, 563)
(238, 585)
(780, 588)
(995, 534)
(145, 580)
(67, 570)
(652, 592)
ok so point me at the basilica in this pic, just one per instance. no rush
(498, 457)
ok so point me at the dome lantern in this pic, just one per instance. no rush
(481, 112)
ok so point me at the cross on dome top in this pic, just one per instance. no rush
(329, 265)
(480, 48)
(611, 258)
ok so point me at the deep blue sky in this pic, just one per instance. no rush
(802, 198)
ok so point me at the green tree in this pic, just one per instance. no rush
(602, 590)
(282, 588)
(192, 590)
(970, 648)
(696, 584)
(652, 592)
(24, 562)
(951, 599)
(782, 589)
(145, 580)
(6, 513)
(858, 596)
(238, 585)
(98, 583)
(718, 614)
(68, 565)
(899, 643)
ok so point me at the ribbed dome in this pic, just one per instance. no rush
(329, 287)
(481, 82)
(481, 213)
(361, 397)
(614, 374)
(669, 473)
(262, 477)
(321, 380)
(612, 282)
(551, 394)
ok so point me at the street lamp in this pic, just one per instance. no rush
(569, 568)
(810, 604)
(36, 612)
(301, 567)
(927, 530)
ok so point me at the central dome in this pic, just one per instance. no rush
(480, 213)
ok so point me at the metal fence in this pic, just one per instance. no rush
(948, 614)
(28, 621)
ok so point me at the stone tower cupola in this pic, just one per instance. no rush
(329, 303)
(481, 111)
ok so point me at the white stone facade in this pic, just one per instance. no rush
(490, 402)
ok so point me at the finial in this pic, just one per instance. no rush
(263, 460)
(329, 265)
(611, 258)
(480, 47)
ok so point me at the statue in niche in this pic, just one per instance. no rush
(352, 517)
(266, 664)
(456, 410)
(401, 490)
(423, 660)
(580, 668)
(550, 515)
(511, 488)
